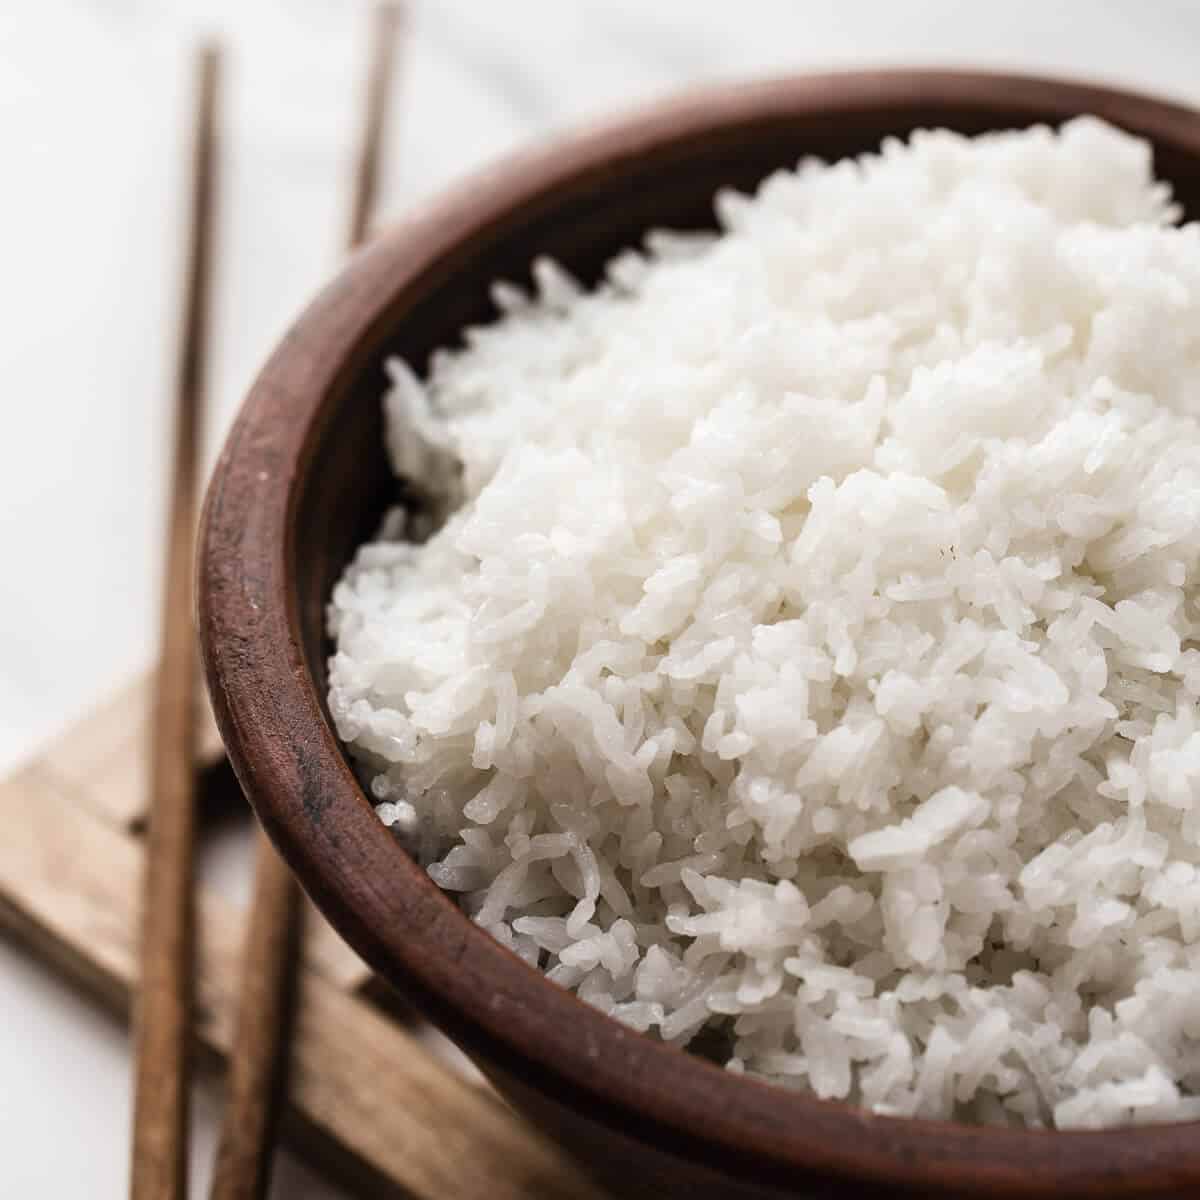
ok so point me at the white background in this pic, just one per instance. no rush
(93, 108)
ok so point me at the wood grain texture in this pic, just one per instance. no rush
(107, 753)
(256, 1078)
(162, 1036)
(367, 1098)
(100, 781)
(303, 479)
(258, 1064)
(56, 768)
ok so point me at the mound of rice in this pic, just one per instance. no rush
(813, 658)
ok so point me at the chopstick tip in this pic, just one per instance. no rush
(390, 13)
(209, 52)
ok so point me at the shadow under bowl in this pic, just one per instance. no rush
(303, 481)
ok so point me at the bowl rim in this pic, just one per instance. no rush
(290, 766)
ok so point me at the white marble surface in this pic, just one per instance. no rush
(92, 105)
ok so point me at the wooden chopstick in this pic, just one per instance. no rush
(386, 21)
(163, 1007)
(258, 1061)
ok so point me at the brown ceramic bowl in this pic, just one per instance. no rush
(303, 480)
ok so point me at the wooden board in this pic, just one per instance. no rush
(372, 1098)
(104, 755)
(102, 762)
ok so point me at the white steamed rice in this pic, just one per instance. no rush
(814, 655)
